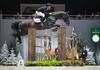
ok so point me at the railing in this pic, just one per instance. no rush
(73, 17)
(84, 17)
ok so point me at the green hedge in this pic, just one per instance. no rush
(52, 63)
(44, 63)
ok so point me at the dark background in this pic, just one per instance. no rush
(74, 6)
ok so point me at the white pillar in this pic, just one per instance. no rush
(54, 41)
(25, 47)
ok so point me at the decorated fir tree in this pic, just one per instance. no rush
(12, 57)
(4, 52)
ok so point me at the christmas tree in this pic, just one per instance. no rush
(12, 57)
(4, 52)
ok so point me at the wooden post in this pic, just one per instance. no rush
(31, 43)
(62, 43)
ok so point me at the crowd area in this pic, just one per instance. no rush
(78, 16)
(27, 16)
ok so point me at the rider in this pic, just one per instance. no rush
(43, 12)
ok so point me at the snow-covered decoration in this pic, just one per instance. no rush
(4, 52)
(20, 60)
(19, 56)
(12, 57)
(90, 58)
(6, 57)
